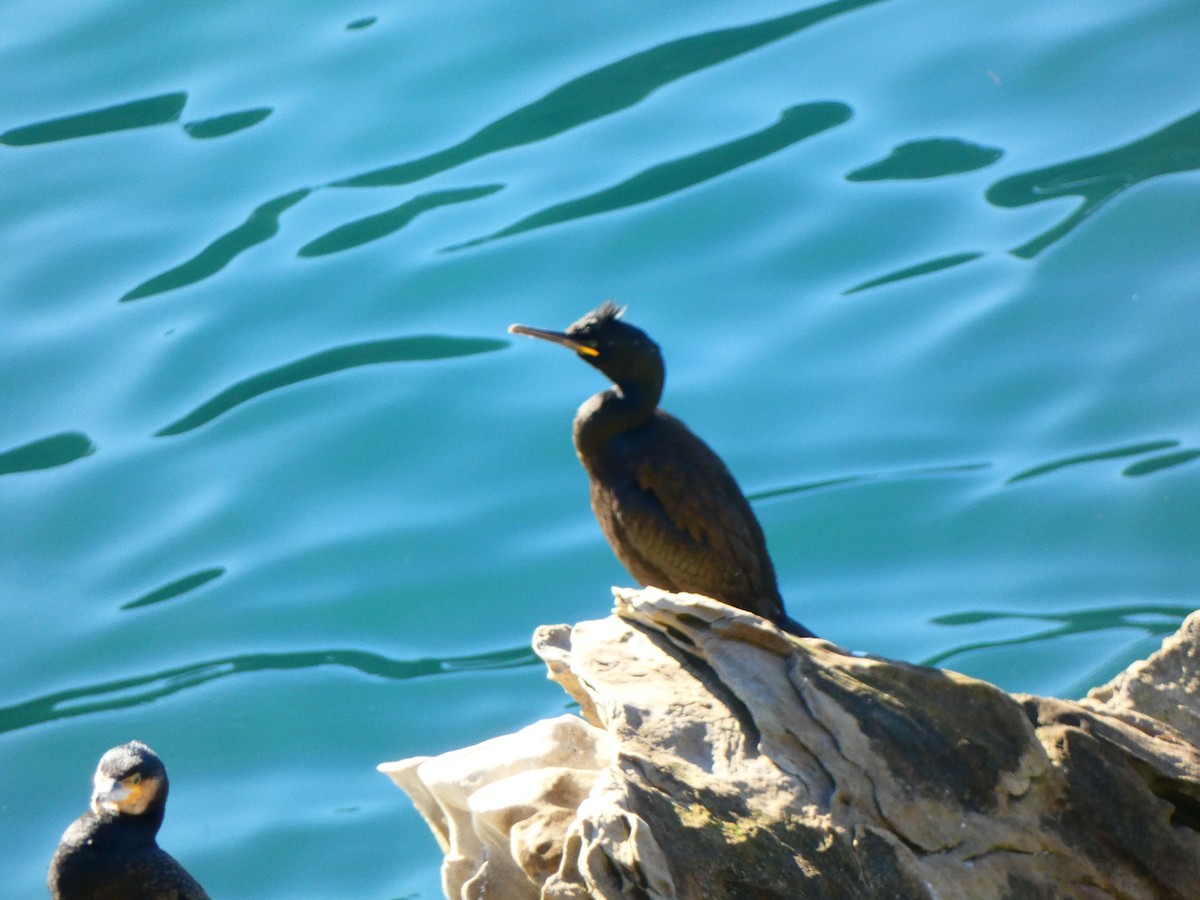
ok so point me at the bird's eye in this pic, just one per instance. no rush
(134, 779)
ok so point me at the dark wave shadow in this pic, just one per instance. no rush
(934, 158)
(1158, 463)
(605, 91)
(771, 493)
(1100, 178)
(921, 472)
(327, 362)
(925, 268)
(219, 126)
(592, 96)
(261, 226)
(794, 124)
(46, 453)
(175, 588)
(1068, 623)
(1094, 456)
(137, 690)
(372, 228)
(149, 111)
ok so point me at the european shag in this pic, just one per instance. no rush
(671, 511)
(111, 851)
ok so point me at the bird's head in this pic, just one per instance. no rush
(129, 780)
(624, 353)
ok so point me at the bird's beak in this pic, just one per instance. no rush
(109, 795)
(555, 337)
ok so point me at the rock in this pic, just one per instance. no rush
(722, 758)
(500, 809)
(1165, 687)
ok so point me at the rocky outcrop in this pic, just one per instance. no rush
(718, 757)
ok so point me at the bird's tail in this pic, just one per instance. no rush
(791, 626)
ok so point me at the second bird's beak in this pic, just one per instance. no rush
(554, 337)
(109, 795)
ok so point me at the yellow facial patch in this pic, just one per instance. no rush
(140, 792)
(130, 795)
(586, 350)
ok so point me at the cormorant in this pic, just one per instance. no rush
(110, 852)
(671, 511)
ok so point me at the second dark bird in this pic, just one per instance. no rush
(111, 852)
(671, 511)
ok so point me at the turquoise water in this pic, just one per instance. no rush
(281, 497)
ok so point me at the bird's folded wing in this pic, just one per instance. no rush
(698, 510)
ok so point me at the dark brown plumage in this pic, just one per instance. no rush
(671, 511)
(111, 852)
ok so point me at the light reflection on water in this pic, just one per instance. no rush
(944, 340)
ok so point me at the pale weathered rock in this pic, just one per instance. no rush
(722, 758)
(500, 809)
(1166, 686)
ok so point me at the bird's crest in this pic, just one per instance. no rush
(606, 312)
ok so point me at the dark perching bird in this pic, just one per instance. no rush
(111, 851)
(671, 511)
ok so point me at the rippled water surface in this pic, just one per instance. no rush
(282, 498)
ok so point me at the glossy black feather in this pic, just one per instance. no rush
(107, 855)
(669, 507)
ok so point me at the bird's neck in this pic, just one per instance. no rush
(609, 413)
(124, 830)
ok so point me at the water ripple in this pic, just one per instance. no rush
(794, 124)
(134, 691)
(261, 226)
(219, 126)
(1158, 463)
(327, 362)
(1100, 178)
(176, 588)
(605, 91)
(1093, 456)
(925, 268)
(933, 158)
(372, 228)
(1066, 624)
(920, 472)
(592, 96)
(142, 113)
(46, 453)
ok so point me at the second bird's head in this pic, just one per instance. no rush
(129, 780)
(624, 353)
